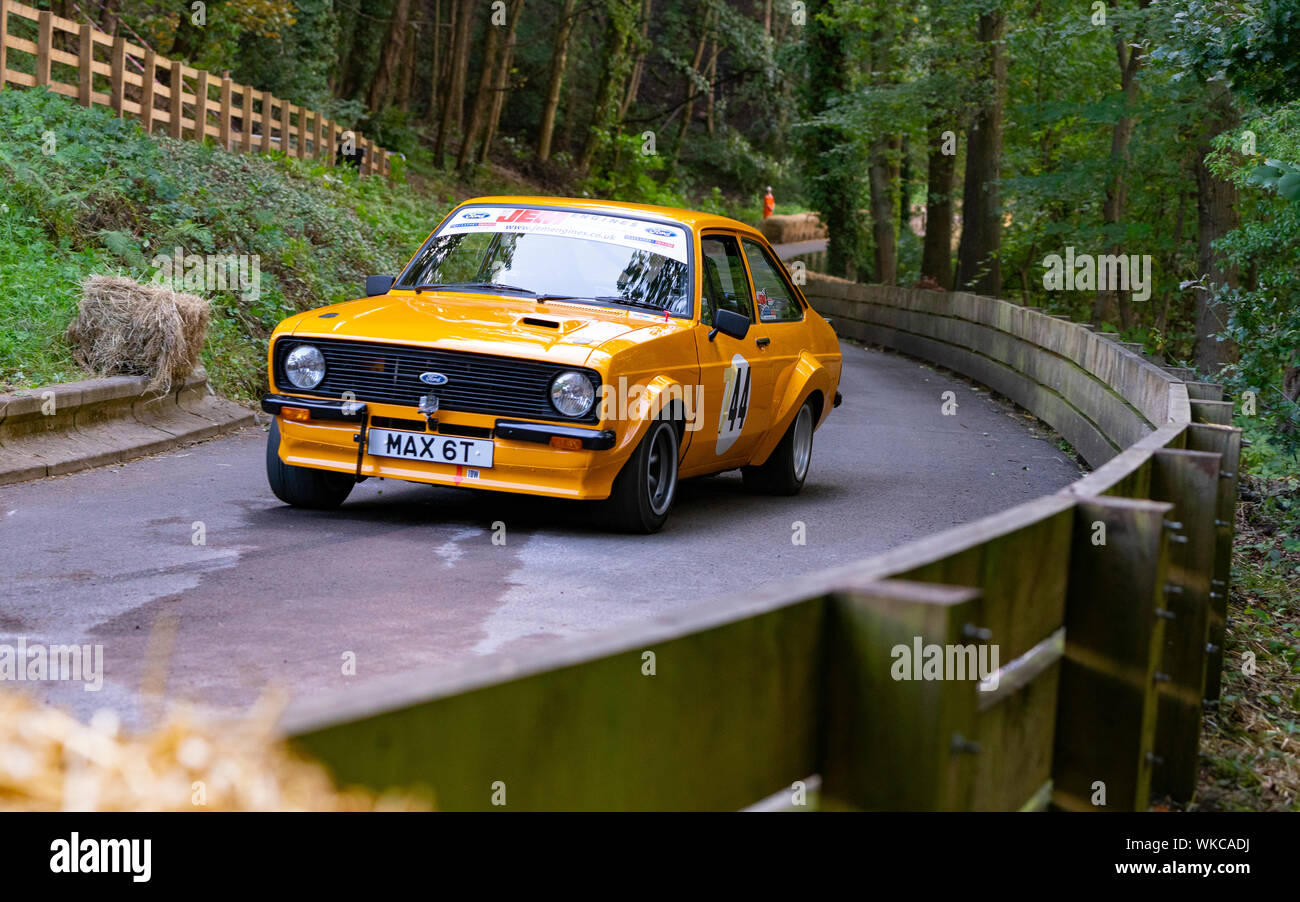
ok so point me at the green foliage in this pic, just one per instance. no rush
(1252, 43)
(631, 176)
(1264, 318)
(828, 148)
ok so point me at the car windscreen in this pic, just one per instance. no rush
(558, 254)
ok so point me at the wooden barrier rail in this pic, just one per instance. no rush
(1104, 603)
(167, 94)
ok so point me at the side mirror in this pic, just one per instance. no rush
(376, 285)
(729, 322)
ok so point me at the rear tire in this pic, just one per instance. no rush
(303, 486)
(644, 489)
(787, 467)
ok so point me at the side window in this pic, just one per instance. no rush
(725, 285)
(776, 299)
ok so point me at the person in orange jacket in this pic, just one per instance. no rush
(769, 203)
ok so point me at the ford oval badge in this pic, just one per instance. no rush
(433, 378)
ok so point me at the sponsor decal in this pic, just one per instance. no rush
(667, 241)
(735, 403)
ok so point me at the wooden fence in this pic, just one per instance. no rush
(1106, 601)
(166, 94)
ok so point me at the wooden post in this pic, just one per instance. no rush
(223, 124)
(332, 145)
(1217, 412)
(146, 89)
(894, 744)
(117, 80)
(1189, 480)
(246, 135)
(1226, 442)
(317, 125)
(4, 39)
(85, 69)
(286, 109)
(1204, 391)
(1114, 637)
(302, 133)
(177, 99)
(44, 40)
(268, 107)
(201, 107)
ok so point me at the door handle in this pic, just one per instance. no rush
(763, 342)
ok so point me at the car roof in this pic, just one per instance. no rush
(691, 218)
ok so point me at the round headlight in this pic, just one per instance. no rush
(572, 394)
(305, 366)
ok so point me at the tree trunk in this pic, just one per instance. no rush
(638, 68)
(882, 212)
(1130, 61)
(390, 54)
(605, 117)
(108, 16)
(435, 80)
(405, 75)
(559, 57)
(483, 93)
(688, 111)
(936, 253)
(502, 83)
(1216, 215)
(712, 76)
(978, 265)
(459, 62)
(1291, 379)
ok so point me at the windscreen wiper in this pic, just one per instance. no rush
(601, 299)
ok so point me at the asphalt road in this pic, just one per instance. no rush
(407, 576)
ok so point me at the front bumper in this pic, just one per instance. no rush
(523, 460)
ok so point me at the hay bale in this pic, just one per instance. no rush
(790, 229)
(125, 328)
(50, 761)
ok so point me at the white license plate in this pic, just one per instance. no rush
(438, 449)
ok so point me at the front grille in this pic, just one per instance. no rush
(395, 423)
(476, 383)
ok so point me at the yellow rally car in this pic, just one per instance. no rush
(561, 347)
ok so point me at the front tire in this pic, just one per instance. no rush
(303, 486)
(644, 489)
(787, 468)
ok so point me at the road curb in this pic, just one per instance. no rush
(76, 425)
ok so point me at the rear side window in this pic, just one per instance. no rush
(725, 284)
(776, 298)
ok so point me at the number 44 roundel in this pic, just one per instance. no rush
(735, 403)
